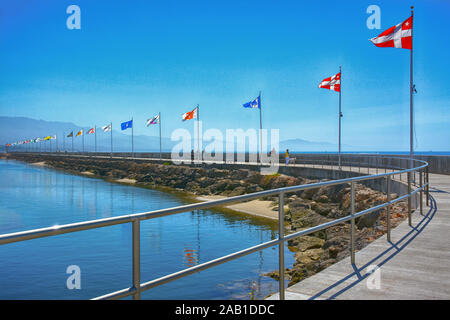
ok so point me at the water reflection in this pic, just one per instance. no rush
(168, 244)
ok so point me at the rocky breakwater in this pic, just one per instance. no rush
(319, 250)
(204, 180)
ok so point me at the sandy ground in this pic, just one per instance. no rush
(254, 207)
(125, 180)
(41, 164)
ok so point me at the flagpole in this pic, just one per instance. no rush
(132, 138)
(111, 142)
(411, 118)
(72, 141)
(95, 132)
(198, 132)
(64, 141)
(260, 129)
(83, 141)
(340, 116)
(160, 143)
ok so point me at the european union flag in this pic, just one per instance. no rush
(253, 104)
(126, 125)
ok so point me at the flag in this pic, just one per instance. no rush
(154, 120)
(254, 104)
(38, 140)
(47, 138)
(399, 36)
(79, 133)
(332, 83)
(190, 115)
(70, 135)
(127, 124)
(106, 128)
(91, 130)
(54, 138)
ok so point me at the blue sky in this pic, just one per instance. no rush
(136, 58)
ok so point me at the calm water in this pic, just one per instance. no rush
(33, 197)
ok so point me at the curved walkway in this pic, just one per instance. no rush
(414, 265)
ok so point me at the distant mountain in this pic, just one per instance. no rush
(20, 128)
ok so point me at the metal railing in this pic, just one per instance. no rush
(137, 286)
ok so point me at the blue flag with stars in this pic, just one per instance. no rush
(256, 104)
(126, 125)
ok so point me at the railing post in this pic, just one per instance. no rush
(409, 199)
(281, 245)
(428, 185)
(376, 164)
(136, 259)
(352, 224)
(421, 192)
(388, 214)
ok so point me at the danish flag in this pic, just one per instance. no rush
(399, 36)
(190, 115)
(332, 83)
(92, 130)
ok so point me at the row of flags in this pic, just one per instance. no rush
(31, 140)
(107, 128)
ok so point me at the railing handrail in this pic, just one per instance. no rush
(137, 217)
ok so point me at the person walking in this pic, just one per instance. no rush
(287, 156)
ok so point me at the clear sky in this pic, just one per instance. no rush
(136, 58)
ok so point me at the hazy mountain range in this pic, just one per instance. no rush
(14, 129)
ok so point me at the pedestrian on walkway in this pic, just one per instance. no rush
(287, 156)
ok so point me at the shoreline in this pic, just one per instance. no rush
(260, 208)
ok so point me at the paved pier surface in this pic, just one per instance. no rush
(414, 265)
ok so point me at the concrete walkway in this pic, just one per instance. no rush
(414, 265)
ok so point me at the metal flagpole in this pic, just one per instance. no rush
(411, 124)
(64, 141)
(56, 142)
(260, 129)
(160, 144)
(72, 141)
(50, 144)
(95, 132)
(83, 140)
(340, 116)
(132, 139)
(111, 142)
(198, 133)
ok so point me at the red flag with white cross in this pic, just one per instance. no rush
(332, 83)
(399, 36)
